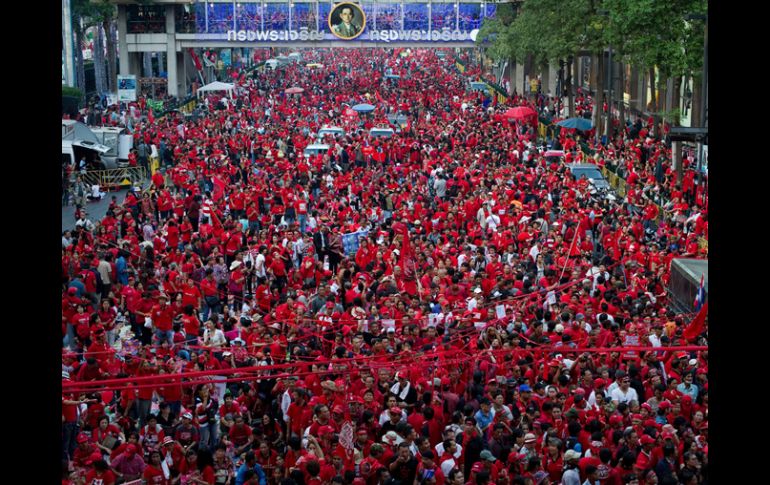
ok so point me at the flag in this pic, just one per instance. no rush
(697, 325)
(700, 297)
(150, 116)
(219, 188)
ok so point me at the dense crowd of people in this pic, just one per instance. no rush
(443, 306)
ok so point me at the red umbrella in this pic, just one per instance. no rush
(520, 113)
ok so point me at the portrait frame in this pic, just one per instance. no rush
(334, 19)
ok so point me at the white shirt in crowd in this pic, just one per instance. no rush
(620, 396)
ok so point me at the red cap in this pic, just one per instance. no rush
(72, 290)
(668, 436)
(664, 405)
(362, 431)
(82, 438)
(131, 449)
(646, 406)
(338, 409)
(616, 419)
(395, 410)
(477, 467)
(324, 430)
(636, 417)
(580, 390)
(600, 382)
(647, 440)
(650, 423)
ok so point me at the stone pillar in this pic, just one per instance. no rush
(171, 60)
(134, 63)
(642, 86)
(553, 78)
(181, 73)
(68, 44)
(518, 78)
(124, 64)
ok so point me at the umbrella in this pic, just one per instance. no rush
(314, 64)
(580, 124)
(520, 112)
(363, 108)
(294, 90)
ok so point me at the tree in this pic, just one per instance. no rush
(103, 16)
(653, 34)
(495, 35)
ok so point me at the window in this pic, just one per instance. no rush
(146, 19)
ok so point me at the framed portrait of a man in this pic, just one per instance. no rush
(347, 21)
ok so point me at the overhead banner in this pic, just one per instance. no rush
(341, 21)
(127, 87)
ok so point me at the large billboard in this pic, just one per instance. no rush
(342, 21)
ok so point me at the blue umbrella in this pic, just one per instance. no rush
(363, 108)
(580, 124)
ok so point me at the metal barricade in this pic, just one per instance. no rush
(116, 178)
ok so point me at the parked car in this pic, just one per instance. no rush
(315, 149)
(591, 172)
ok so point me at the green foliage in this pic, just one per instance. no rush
(93, 13)
(72, 92)
(642, 32)
(655, 33)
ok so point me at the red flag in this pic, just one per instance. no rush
(697, 325)
(219, 189)
(215, 222)
(150, 117)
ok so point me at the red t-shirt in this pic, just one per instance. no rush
(162, 317)
(105, 478)
(154, 475)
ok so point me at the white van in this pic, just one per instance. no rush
(315, 149)
(78, 141)
(330, 130)
(73, 151)
(384, 132)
